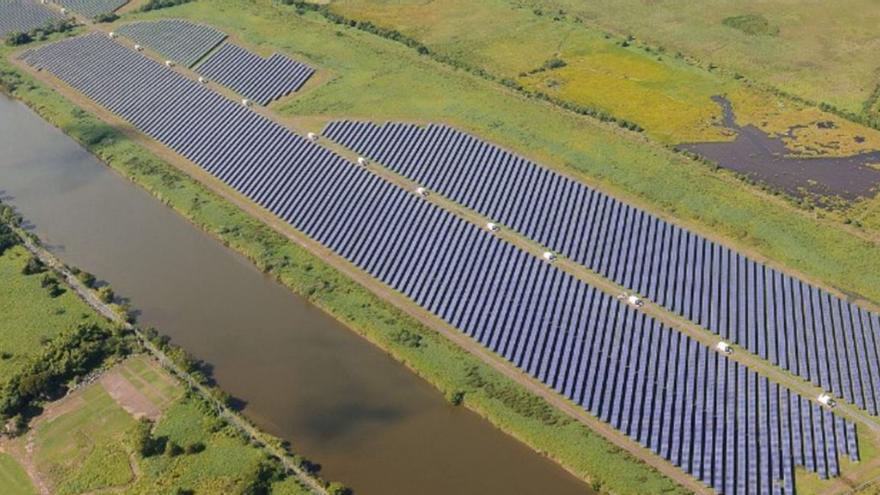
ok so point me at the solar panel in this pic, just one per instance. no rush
(92, 8)
(737, 298)
(252, 76)
(182, 41)
(23, 16)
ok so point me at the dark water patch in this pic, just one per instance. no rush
(299, 374)
(765, 158)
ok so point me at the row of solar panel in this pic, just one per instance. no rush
(22, 16)
(254, 77)
(724, 424)
(91, 8)
(178, 40)
(801, 328)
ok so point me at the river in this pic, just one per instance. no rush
(304, 377)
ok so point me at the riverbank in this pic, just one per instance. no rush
(84, 381)
(452, 370)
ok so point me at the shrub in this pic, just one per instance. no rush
(106, 17)
(554, 63)
(336, 488)
(87, 279)
(106, 294)
(195, 448)
(172, 449)
(161, 4)
(33, 266)
(18, 38)
(751, 24)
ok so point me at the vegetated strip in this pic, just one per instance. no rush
(801, 328)
(502, 297)
(21, 16)
(252, 76)
(178, 40)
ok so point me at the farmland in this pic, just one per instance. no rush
(87, 441)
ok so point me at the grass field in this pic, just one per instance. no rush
(821, 52)
(29, 314)
(13, 478)
(658, 89)
(82, 449)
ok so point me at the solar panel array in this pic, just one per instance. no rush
(181, 41)
(254, 77)
(799, 327)
(24, 15)
(91, 8)
(715, 419)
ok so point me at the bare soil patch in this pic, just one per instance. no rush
(128, 397)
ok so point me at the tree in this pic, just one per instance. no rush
(106, 17)
(105, 294)
(337, 488)
(87, 279)
(33, 266)
(18, 38)
(172, 449)
(141, 438)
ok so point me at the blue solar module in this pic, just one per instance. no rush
(92, 8)
(181, 41)
(252, 76)
(24, 15)
(784, 320)
(595, 347)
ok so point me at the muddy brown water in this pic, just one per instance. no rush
(766, 158)
(304, 377)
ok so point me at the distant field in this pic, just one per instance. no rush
(821, 51)
(29, 314)
(653, 87)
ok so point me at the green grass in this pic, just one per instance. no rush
(82, 450)
(664, 91)
(665, 95)
(227, 464)
(29, 315)
(13, 479)
(820, 53)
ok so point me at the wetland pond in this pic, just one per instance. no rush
(763, 157)
(340, 401)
